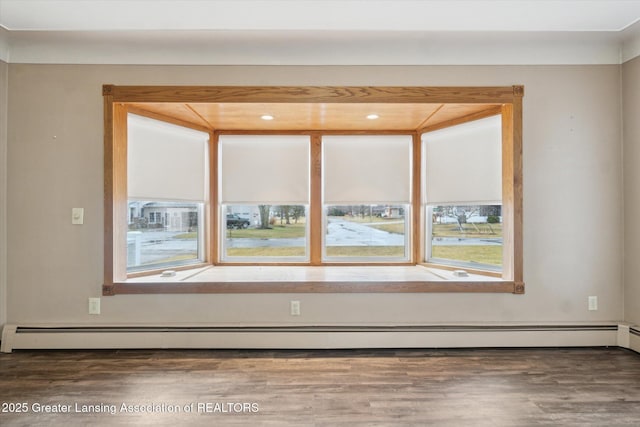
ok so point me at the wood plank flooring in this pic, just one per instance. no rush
(465, 387)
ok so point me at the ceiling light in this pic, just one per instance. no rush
(266, 117)
(372, 116)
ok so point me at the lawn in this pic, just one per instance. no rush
(176, 258)
(365, 251)
(390, 225)
(490, 254)
(276, 231)
(469, 230)
(332, 251)
(366, 219)
(187, 236)
(397, 228)
(266, 252)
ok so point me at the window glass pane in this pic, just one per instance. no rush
(165, 161)
(163, 234)
(259, 168)
(381, 174)
(463, 163)
(265, 232)
(366, 232)
(468, 236)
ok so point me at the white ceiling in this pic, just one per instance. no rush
(371, 15)
(320, 31)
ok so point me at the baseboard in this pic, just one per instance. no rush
(16, 337)
(634, 338)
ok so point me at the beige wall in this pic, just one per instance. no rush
(572, 200)
(631, 129)
(4, 74)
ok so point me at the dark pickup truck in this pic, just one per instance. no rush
(234, 221)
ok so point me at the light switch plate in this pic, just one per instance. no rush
(77, 216)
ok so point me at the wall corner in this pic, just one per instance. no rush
(623, 336)
(4, 101)
(630, 48)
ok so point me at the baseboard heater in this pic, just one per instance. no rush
(634, 338)
(308, 337)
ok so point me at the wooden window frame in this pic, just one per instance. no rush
(508, 100)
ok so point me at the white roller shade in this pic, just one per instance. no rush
(257, 169)
(165, 161)
(463, 163)
(367, 169)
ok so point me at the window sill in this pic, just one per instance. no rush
(286, 279)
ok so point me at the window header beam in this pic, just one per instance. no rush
(315, 94)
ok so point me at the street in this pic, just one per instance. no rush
(157, 246)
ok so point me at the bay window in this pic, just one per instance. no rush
(195, 179)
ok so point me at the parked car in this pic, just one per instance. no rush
(235, 221)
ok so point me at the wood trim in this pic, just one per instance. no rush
(190, 108)
(120, 208)
(163, 118)
(315, 132)
(518, 209)
(213, 211)
(459, 120)
(108, 192)
(508, 202)
(323, 264)
(468, 270)
(314, 94)
(156, 271)
(425, 121)
(416, 202)
(315, 206)
(518, 91)
(313, 287)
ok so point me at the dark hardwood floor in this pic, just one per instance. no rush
(466, 387)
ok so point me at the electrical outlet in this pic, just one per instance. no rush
(94, 305)
(593, 303)
(295, 308)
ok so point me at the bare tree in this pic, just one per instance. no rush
(285, 212)
(264, 216)
(297, 212)
(460, 213)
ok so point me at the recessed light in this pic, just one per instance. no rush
(266, 117)
(372, 116)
